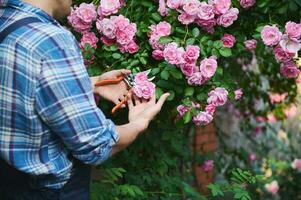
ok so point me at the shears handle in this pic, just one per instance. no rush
(124, 101)
(109, 81)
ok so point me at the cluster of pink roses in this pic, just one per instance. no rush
(114, 29)
(229, 40)
(285, 46)
(143, 88)
(208, 165)
(120, 30)
(206, 15)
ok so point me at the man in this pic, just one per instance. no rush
(50, 124)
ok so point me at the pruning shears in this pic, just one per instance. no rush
(130, 82)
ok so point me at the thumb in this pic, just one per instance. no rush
(162, 100)
(122, 72)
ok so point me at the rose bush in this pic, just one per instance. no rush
(205, 54)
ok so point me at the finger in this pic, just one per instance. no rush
(152, 101)
(137, 100)
(130, 103)
(162, 100)
(120, 72)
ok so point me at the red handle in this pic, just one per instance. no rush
(109, 81)
(124, 101)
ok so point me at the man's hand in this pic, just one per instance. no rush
(115, 92)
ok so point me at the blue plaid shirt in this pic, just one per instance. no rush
(47, 106)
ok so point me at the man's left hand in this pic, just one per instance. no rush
(114, 92)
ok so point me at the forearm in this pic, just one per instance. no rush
(127, 134)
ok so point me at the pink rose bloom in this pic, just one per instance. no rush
(293, 30)
(258, 130)
(106, 27)
(271, 118)
(260, 119)
(210, 109)
(153, 40)
(290, 45)
(206, 25)
(191, 6)
(277, 98)
(218, 96)
(107, 41)
(272, 187)
(247, 3)
(162, 29)
(228, 18)
(290, 111)
(270, 35)
(208, 67)
(182, 110)
(86, 12)
(208, 165)
(289, 70)
(205, 11)
(281, 55)
(196, 79)
(250, 44)
(162, 8)
(228, 40)
(188, 69)
(238, 94)
(202, 119)
(131, 47)
(141, 78)
(108, 7)
(173, 54)
(296, 164)
(185, 18)
(174, 4)
(120, 22)
(78, 25)
(89, 38)
(158, 54)
(145, 90)
(192, 53)
(220, 6)
(252, 157)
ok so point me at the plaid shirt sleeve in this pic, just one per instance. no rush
(65, 102)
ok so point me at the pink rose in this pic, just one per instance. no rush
(208, 67)
(281, 55)
(141, 78)
(158, 54)
(250, 44)
(252, 157)
(205, 11)
(202, 119)
(192, 53)
(272, 187)
(289, 70)
(162, 8)
(107, 41)
(228, 40)
(120, 21)
(173, 54)
(220, 6)
(210, 108)
(290, 45)
(78, 25)
(191, 6)
(106, 27)
(188, 69)
(228, 18)
(196, 79)
(174, 4)
(270, 35)
(185, 18)
(277, 98)
(108, 7)
(290, 111)
(208, 165)
(293, 30)
(296, 164)
(153, 40)
(238, 94)
(89, 38)
(86, 12)
(145, 90)
(182, 110)
(260, 119)
(206, 25)
(247, 3)
(131, 47)
(162, 29)
(218, 96)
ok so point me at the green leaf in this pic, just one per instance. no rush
(189, 91)
(176, 73)
(171, 95)
(164, 75)
(195, 32)
(134, 62)
(116, 56)
(155, 71)
(159, 92)
(190, 41)
(187, 117)
(217, 44)
(156, 16)
(215, 190)
(165, 40)
(226, 52)
(146, 3)
(113, 47)
(142, 60)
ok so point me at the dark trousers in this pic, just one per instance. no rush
(15, 185)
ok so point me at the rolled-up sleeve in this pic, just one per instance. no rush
(65, 102)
